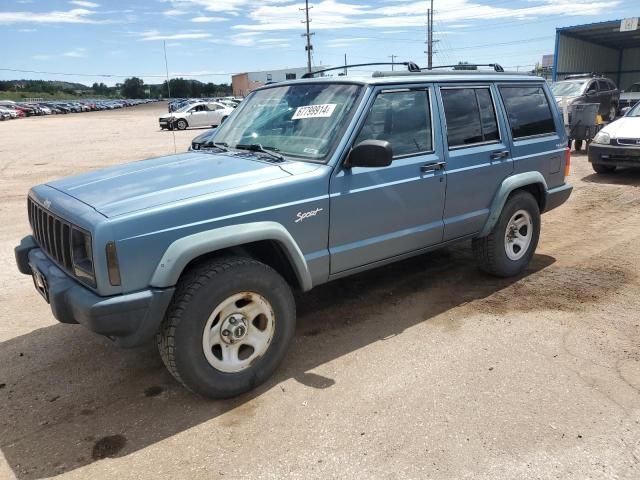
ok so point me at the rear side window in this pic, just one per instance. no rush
(604, 85)
(528, 111)
(401, 118)
(471, 118)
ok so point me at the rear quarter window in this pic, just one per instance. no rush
(528, 111)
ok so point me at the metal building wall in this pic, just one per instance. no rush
(574, 55)
(630, 62)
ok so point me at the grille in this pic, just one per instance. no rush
(629, 141)
(52, 234)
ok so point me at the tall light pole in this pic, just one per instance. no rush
(308, 47)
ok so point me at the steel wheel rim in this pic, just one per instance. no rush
(612, 112)
(238, 332)
(518, 235)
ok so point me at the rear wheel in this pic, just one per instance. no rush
(613, 112)
(508, 249)
(228, 327)
(600, 168)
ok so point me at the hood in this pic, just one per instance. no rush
(150, 183)
(625, 127)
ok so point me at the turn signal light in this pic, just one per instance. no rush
(567, 162)
(113, 267)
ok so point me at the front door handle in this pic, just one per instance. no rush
(433, 166)
(500, 155)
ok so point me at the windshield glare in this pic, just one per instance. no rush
(300, 120)
(567, 89)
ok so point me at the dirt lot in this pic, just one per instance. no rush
(424, 369)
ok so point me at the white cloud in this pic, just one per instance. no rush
(334, 14)
(174, 12)
(82, 3)
(76, 15)
(151, 35)
(76, 53)
(203, 19)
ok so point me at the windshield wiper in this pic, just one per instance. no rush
(256, 147)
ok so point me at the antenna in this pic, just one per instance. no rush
(166, 66)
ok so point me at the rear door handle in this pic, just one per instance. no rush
(430, 167)
(500, 155)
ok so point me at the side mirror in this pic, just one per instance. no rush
(370, 153)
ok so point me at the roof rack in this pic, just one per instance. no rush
(411, 67)
(468, 66)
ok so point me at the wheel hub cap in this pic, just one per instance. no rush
(233, 329)
(238, 332)
(518, 235)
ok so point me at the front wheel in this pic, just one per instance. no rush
(228, 327)
(600, 168)
(182, 124)
(508, 249)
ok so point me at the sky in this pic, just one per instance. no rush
(109, 40)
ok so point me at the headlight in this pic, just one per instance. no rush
(82, 256)
(602, 138)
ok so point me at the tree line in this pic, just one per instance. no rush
(132, 87)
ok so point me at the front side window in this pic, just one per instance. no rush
(528, 111)
(302, 120)
(401, 118)
(471, 118)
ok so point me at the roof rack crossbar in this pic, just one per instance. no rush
(467, 66)
(411, 66)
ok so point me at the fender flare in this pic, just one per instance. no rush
(508, 185)
(184, 250)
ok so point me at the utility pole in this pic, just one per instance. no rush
(308, 47)
(429, 41)
(393, 61)
(345, 64)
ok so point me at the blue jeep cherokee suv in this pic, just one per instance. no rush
(307, 181)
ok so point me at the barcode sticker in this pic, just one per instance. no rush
(314, 111)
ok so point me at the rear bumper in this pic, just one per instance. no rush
(614, 155)
(129, 320)
(557, 196)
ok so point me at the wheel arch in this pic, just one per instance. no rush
(532, 182)
(267, 242)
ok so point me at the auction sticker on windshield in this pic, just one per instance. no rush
(314, 111)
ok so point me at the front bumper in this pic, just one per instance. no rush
(614, 155)
(129, 319)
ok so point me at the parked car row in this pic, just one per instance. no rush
(11, 110)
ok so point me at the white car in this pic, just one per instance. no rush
(201, 114)
(630, 96)
(617, 144)
(9, 111)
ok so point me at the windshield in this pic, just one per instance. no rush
(185, 108)
(635, 111)
(300, 120)
(567, 89)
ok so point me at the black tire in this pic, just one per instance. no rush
(223, 120)
(200, 291)
(181, 124)
(600, 168)
(490, 251)
(613, 112)
(577, 145)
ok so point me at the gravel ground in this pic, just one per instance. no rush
(423, 369)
